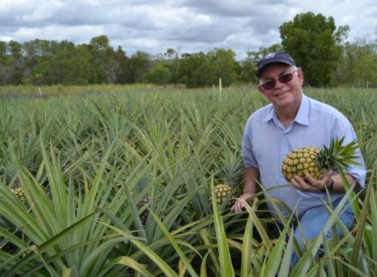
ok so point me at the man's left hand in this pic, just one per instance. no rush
(311, 184)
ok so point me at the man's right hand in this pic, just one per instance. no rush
(239, 204)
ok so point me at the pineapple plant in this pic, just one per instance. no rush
(229, 173)
(316, 161)
(5, 244)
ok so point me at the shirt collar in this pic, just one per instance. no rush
(302, 116)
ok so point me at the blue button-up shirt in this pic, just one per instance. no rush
(266, 142)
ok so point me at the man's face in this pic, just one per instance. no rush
(281, 84)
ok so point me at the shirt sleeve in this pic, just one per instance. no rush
(247, 146)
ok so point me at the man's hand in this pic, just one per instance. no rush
(239, 205)
(312, 184)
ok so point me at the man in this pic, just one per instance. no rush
(290, 121)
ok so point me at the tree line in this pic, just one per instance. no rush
(316, 44)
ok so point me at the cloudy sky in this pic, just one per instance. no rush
(188, 26)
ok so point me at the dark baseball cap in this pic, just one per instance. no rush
(274, 57)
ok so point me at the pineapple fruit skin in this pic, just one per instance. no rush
(145, 213)
(224, 192)
(300, 161)
(311, 159)
(19, 192)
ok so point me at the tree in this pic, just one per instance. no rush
(196, 70)
(171, 54)
(315, 43)
(17, 61)
(248, 66)
(159, 75)
(63, 63)
(225, 63)
(36, 53)
(102, 53)
(113, 66)
(5, 68)
(358, 64)
(138, 64)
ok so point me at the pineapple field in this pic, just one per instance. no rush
(139, 180)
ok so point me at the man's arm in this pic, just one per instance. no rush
(250, 177)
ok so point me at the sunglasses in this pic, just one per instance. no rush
(285, 78)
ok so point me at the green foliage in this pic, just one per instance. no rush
(85, 161)
(159, 75)
(313, 40)
(315, 44)
(224, 61)
(195, 70)
(358, 64)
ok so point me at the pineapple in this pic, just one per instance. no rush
(141, 185)
(144, 214)
(18, 191)
(224, 192)
(317, 161)
(228, 172)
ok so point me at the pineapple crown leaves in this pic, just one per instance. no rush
(230, 170)
(338, 155)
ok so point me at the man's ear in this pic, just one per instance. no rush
(261, 89)
(300, 75)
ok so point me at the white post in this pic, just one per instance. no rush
(220, 87)
(40, 92)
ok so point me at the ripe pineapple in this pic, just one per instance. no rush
(317, 161)
(224, 192)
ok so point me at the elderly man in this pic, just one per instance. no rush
(294, 120)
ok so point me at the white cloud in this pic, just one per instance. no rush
(191, 25)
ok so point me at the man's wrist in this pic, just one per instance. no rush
(329, 187)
